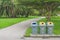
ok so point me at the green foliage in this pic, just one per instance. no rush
(28, 32)
(24, 8)
(52, 0)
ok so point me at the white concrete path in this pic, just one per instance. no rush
(15, 32)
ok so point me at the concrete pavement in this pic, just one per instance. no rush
(15, 32)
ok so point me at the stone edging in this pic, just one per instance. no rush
(44, 36)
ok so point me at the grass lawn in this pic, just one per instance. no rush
(5, 22)
(55, 20)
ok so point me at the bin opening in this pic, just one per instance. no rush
(50, 23)
(34, 23)
(42, 23)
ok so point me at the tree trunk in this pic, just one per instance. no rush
(48, 16)
(13, 14)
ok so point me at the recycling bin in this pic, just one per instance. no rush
(34, 27)
(42, 27)
(50, 26)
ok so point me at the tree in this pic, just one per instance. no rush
(50, 7)
(7, 6)
(44, 5)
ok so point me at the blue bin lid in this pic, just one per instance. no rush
(34, 24)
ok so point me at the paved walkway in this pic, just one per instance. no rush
(15, 32)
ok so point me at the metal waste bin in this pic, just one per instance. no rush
(50, 26)
(42, 27)
(34, 27)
